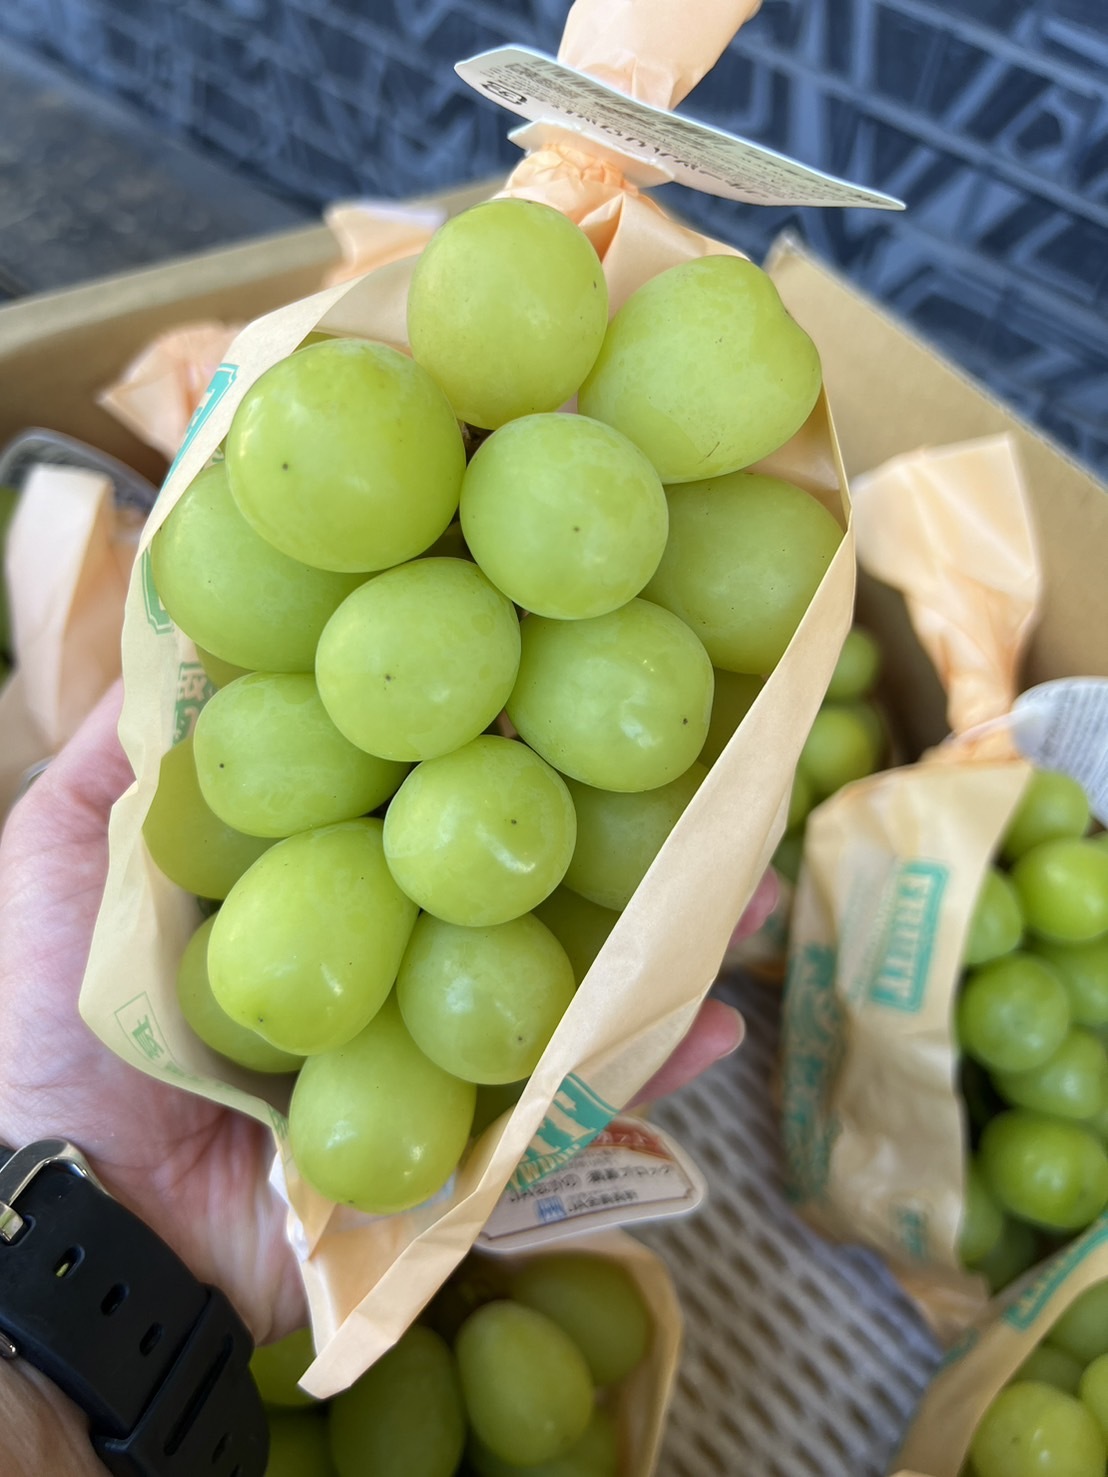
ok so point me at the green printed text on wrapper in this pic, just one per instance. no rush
(1027, 1307)
(906, 932)
(574, 1119)
(812, 1039)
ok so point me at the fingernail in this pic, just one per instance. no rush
(740, 1031)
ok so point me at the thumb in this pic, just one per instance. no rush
(78, 790)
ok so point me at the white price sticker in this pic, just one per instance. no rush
(631, 1171)
(1063, 725)
(671, 147)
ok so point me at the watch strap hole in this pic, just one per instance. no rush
(69, 1261)
(151, 1338)
(114, 1299)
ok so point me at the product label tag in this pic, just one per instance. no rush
(1063, 725)
(631, 1171)
(671, 147)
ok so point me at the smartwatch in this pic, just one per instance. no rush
(159, 1362)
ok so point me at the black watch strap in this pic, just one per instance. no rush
(99, 1303)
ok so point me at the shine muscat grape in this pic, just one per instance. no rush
(1031, 1020)
(511, 1369)
(1052, 1416)
(366, 602)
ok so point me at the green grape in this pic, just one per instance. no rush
(1016, 1249)
(483, 1002)
(420, 660)
(1063, 890)
(1082, 1330)
(996, 924)
(212, 1024)
(270, 761)
(1034, 1430)
(704, 369)
(1050, 1366)
(982, 1219)
(187, 842)
(1013, 1013)
(235, 594)
(218, 672)
(1100, 838)
(346, 455)
(1099, 1121)
(404, 1417)
(277, 1368)
(841, 747)
(620, 834)
(479, 1280)
(802, 801)
(507, 309)
(527, 1388)
(596, 1302)
(564, 514)
(1073, 1083)
(1083, 969)
(298, 1445)
(745, 555)
(619, 702)
(481, 835)
(306, 948)
(1093, 1390)
(1047, 1171)
(595, 1455)
(788, 856)
(1052, 806)
(581, 927)
(493, 1100)
(733, 698)
(857, 668)
(375, 1124)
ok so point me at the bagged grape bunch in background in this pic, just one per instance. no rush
(944, 1072)
(369, 651)
(1025, 1389)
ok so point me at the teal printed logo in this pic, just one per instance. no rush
(576, 1116)
(910, 1227)
(812, 1032)
(194, 688)
(156, 613)
(1033, 1299)
(221, 381)
(900, 972)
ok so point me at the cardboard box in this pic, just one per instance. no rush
(889, 393)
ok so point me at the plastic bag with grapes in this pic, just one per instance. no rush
(368, 1271)
(925, 1015)
(1025, 1388)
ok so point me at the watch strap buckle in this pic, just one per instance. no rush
(21, 1168)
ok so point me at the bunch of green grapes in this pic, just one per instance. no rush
(463, 693)
(509, 1370)
(846, 742)
(1032, 1026)
(1052, 1416)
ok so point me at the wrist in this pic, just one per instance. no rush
(43, 1430)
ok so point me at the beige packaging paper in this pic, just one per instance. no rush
(68, 559)
(990, 1352)
(367, 1278)
(873, 1120)
(641, 1401)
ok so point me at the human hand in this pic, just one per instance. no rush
(197, 1173)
